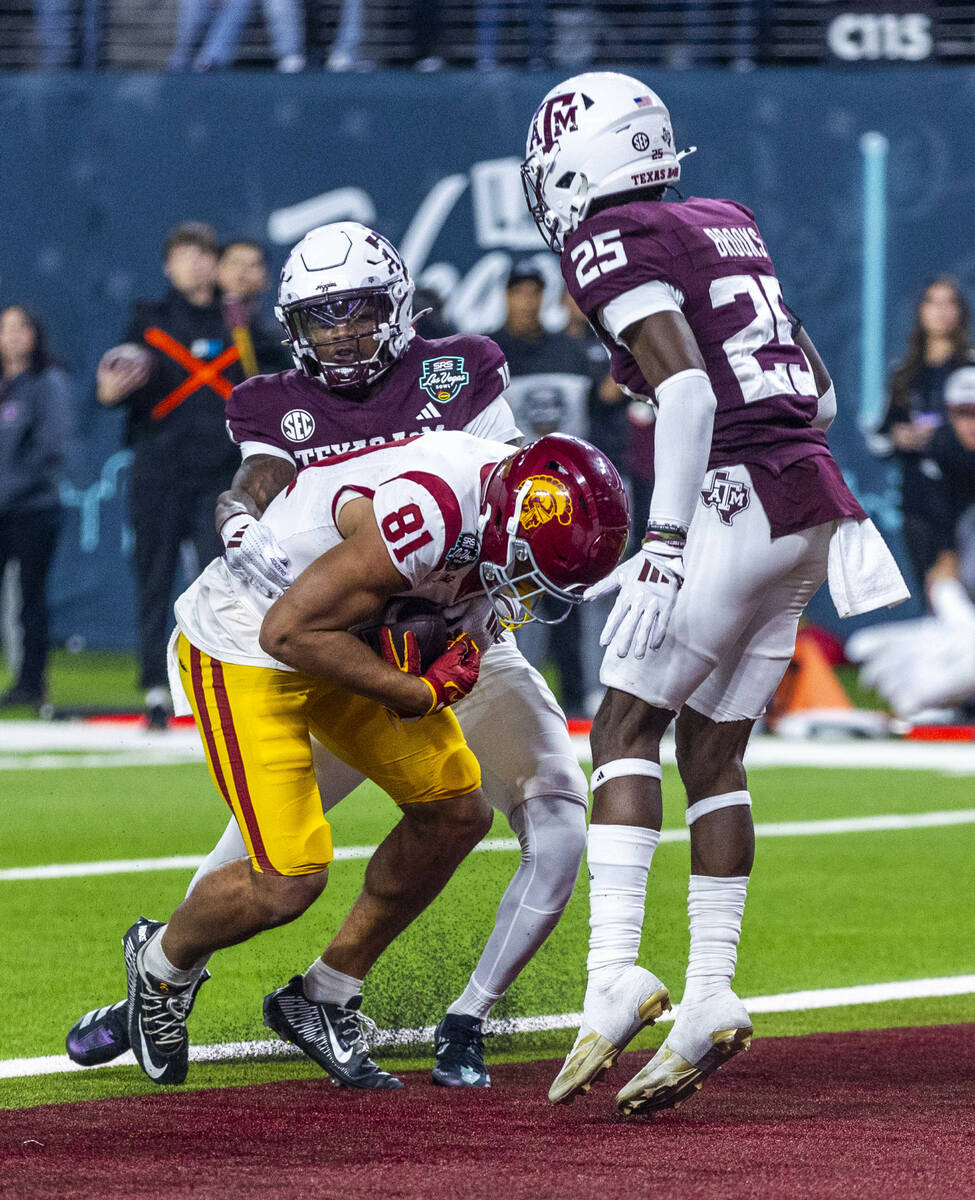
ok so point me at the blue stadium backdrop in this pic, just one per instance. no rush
(95, 169)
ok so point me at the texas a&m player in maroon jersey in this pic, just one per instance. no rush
(746, 502)
(364, 377)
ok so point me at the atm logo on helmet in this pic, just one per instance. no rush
(555, 117)
(547, 500)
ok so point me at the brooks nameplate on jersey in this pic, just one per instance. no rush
(712, 256)
(437, 385)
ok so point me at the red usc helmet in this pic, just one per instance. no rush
(554, 520)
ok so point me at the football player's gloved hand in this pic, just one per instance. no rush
(453, 674)
(648, 585)
(400, 650)
(254, 555)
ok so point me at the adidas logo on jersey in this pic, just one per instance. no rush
(429, 412)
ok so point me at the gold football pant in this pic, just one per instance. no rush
(255, 724)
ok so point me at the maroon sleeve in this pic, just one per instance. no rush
(613, 253)
(250, 412)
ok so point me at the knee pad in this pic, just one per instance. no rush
(558, 777)
(552, 834)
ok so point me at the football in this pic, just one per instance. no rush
(129, 353)
(419, 617)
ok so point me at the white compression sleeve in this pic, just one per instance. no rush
(682, 444)
(552, 833)
(825, 409)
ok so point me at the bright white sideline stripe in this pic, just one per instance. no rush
(867, 993)
(876, 824)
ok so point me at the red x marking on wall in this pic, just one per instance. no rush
(202, 374)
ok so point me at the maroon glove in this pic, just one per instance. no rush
(454, 673)
(400, 649)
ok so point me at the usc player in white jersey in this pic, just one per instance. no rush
(364, 377)
(451, 518)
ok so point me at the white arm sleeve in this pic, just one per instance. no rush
(249, 448)
(682, 445)
(825, 410)
(643, 301)
(496, 423)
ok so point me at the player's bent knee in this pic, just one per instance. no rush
(283, 898)
(626, 725)
(462, 820)
(560, 776)
(552, 833)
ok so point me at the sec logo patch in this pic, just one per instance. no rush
(297, 425)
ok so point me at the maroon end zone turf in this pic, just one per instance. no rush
(887, 1113)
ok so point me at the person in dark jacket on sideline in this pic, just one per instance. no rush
(173, 374)
(939, 343)
(35, 434)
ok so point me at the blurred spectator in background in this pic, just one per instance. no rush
(949, 463)
(173, 374)
(607, 405)
(426, 21)
(939, 342)
(56, 38)
(434, 323)
(551, 390)
(242, 277)
(220, 24)
(36, 431)
(926, 669)
(491, 16)
(346, 53)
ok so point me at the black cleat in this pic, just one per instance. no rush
(103, 1034)
(459, 1045)
(100, 1036)
(157, 1012)
(331, 1034)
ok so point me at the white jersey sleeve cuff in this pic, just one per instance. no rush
(249, 448)
(643, 301)
(496, 423)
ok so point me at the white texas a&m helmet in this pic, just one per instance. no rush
(346, 303)
(596, 134)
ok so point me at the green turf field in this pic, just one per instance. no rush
(824, 911)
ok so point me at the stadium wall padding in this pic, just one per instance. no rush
(96, 168)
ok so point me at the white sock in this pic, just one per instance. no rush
(324, 985)
(154, 960)
(473, 1001)
(715, 907)
(619, 858)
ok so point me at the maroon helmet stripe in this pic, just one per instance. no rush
(237, 767)
(446, 502)
(196, 677)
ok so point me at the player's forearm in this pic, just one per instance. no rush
(341, 658)
(259, 478)
(682, 445)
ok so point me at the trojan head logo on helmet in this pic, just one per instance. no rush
(346, 303)
(548, 499)
(554, 520)
(597, 134)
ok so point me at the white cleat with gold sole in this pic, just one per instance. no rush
(705, 1036)
(612, 1017)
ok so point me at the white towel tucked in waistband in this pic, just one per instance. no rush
(862, 572)
(181, 706)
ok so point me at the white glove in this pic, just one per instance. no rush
(254, 556)
(648, 584)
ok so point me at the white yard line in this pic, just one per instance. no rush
(39, 745)
(876, 824)
(869, 993)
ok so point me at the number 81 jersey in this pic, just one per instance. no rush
(706, 259)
